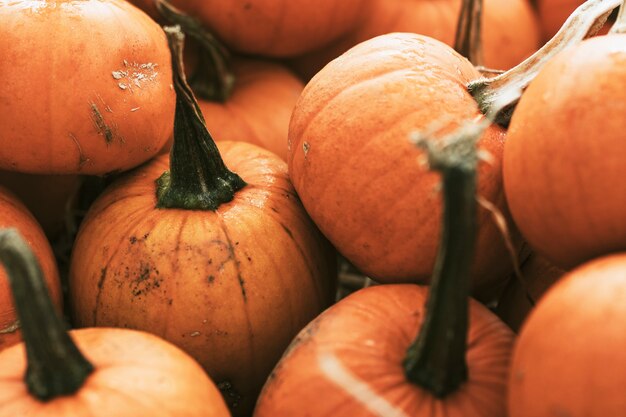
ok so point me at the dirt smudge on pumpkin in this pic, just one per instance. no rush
(305, 148)
(145, 280)
(101, 126)
(230, 393)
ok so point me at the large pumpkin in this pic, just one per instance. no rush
(231, 282)
(573, 208)
(86, 86)
(13, 214)
(359, 176)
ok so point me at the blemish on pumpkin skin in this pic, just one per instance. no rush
(101, 124)
(82, 159)
(305, 148)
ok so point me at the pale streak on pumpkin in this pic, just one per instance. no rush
(11, 328)
(361, 392)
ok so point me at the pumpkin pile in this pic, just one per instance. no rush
(321, 208)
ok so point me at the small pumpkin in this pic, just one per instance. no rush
(573, 209)
(226, 266)
(360, 356)
(13, 214)
(86, 86)
(123, 372)
(569, 357)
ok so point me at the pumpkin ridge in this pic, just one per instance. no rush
(253, 361)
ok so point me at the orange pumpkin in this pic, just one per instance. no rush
(569, 358)
(13, 214)
(359, 356)
(86, 86)
(573, 208)
(123, 373)
(358, 174)
(227, 271)
(509, 29)
(275, 28)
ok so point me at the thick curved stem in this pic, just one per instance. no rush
(468, 39)
(436, 359)
(198, 179)
(213, 78)
(620, 23)
(55, 365)
(586, 20)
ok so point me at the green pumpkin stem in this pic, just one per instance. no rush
(55, 365)
(586, 21)
(213, 77)
(436, 360)
(468, 39)
(198, 179)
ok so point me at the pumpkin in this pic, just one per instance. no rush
(359, 355)
(552, 14)
(569, 357)
(86, 87)
(519, 297)
(509, 30)
(122, 373)
(15, 215)
(275, 28)
(573, 209)
(354, 169)
(47, 197)
(226, 266)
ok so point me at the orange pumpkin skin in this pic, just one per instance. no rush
(47, 197)
(514, 305)
(275, 28)
(135, 374)
(91, 103)
(13, 214)
(230, 287)
(564, 179)
(364, 338)
(259, 109)
(553, 13)
(359, 176)
(510, 30)
(569, 357)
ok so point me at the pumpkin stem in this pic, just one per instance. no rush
(620, 23)
(55, 365)
(468, 40)
(198, 179)
(213, 78)
(436, 359)
(586, 21)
